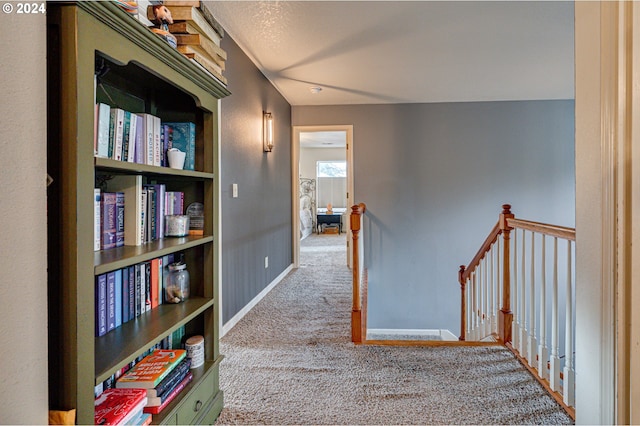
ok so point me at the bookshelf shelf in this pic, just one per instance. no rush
(107, 165)
(121, 346)
(97, 53)
(121, 257)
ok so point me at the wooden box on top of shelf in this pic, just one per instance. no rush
(144, 75)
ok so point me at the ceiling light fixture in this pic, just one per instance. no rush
(315, 89)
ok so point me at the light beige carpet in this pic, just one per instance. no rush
(291, 361)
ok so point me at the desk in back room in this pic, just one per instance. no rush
(328, 219)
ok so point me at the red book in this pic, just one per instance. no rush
(152, 369)
(118, 406)
(154, 283)
(171, 396)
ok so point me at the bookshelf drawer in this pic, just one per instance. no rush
(170, 420)
(197, 401)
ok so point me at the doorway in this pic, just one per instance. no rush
(313, 144)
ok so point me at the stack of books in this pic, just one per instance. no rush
(121, 407)
(198, 34)
(163, 374)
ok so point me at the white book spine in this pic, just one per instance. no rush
(132, 139)
(157, 144)
(104, 116)
(118, 135)
(148, 131)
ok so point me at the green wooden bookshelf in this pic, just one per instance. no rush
(144, 75)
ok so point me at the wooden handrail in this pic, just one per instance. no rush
(491, 238)
(357, 317)
(543, 228)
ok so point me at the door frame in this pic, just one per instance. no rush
(295, 182)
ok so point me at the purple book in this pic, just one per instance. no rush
(101, 305)
(108, 220)
(119, 219)
(111, 301)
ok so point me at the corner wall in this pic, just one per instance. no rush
(434, 177)
(23, 264)
(258, 222)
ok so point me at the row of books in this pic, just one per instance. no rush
(131, 213)
(144, 387)
(141, 138)
(125, 294)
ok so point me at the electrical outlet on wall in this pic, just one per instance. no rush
(266, 262)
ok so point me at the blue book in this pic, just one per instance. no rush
(118, 293)
(132, 292)
(184, 138)
(138, 302)
(125, 295)
(101, 305)
(111, 301)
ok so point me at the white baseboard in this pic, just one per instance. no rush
(244, 311)
(442, 333)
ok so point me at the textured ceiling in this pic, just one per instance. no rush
(407, 51)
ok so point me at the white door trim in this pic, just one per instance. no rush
(295, 186)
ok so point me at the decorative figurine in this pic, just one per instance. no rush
(162, 20)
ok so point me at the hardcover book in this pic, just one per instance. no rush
(184, 138)
(126, 128)
(169, 382)
(104, 117)
(118, 129)
(118, 298)
(125, 295)
(152, 369)
(171, 396)
(131, 187)
(108, 220)
(119, 406)
(140, 140)
(101, 305)
(111, 301)
(131, 139)
(96, 219)
(132, 292)
(120, 220)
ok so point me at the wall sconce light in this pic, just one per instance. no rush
(267, 131)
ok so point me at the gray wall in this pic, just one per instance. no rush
(258, 222)
(433, 177)
(23, 229)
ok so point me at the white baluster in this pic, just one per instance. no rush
(469, 309)
(533, 342)
(543, 351)
(498, 282)
(493, 290)
(524, 329)
(569, 372)
(474, 308)
(554, 373)
(515, 332)
(486, 315)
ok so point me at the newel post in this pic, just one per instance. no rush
(463, 303)
(356, 311)
(505, 318)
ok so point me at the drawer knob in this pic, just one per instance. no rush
(198, 406)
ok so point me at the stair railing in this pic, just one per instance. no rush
(533, 295)
(359, 309)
